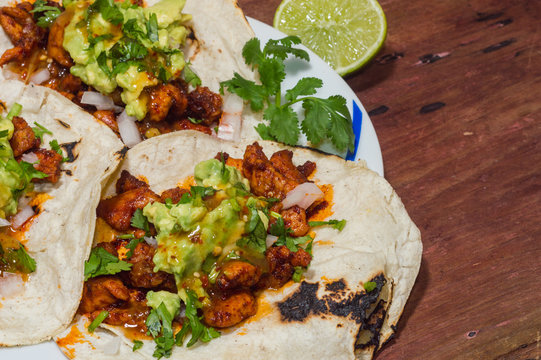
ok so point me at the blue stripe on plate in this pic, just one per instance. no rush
(357, 125)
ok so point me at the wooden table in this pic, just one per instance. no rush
(455, 97)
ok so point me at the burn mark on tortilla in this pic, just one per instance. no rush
(371, 329)
(70, 147)
(66, 125)
(122, 153)
(338, 302)
(67, 172)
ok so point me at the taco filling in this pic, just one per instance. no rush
(118, 60)
(23, 162)
(195, 257)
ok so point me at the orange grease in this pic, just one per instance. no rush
(186, 183)
(264, 308)
(142, 178)
(328, 195)
(325, 242)
(75, 336)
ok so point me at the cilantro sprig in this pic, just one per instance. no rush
(101, 262)
(193, 324)
(335, 224)
(323, 118)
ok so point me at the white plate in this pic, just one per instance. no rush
(367, 148)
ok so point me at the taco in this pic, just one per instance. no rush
(142, 70)
(54, 158)
(211, 249)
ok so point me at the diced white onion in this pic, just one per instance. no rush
(271, 239)
(112, 346)
(303, 195)
(4, 222)
(11, 285)
(151, 241)
(31, 158)
(128, 130)
(100, 101)
(40, 76)
(24, 214)
(10, 75)
(231, 121)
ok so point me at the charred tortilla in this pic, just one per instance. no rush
(59, 237)
(331, 313)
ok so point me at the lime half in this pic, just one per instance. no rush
(345, 33)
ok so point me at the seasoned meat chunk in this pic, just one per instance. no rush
(118, 210)
(108, 118)
(132, 313)
(205, 105)
(236, 274)
(227, 312)
(307, 168)
(186, 124)
(295, 218)
(49, 163)
(101, 292)
(55, 49)
(23, 138)
(127, 182)
(18, 23)
(282, 161)
(166, 98)
(175, 194)
(142, 273)
(282, 264)
(265, 179)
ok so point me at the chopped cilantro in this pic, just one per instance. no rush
(256, 233)
(40, 130)
(202, 191)
(108, 11)
(139, 221)
(137, 344)
(25, 170)
(292, 243)
(191, 77)
(193, 324)
(44, 14)
(336, 224)
(152, 27)
(195, 121)
(14, 111)
(102, 262)
(323, 118)
(297, 275)
(98, 320)
(131, 246)
(4, 133)
(168, 203)
(369, 286)
(161, 321)
(55, 147)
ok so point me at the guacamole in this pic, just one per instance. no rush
(117, 44)
(210, 222)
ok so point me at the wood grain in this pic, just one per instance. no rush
(455, 97)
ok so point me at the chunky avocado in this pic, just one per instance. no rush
(213, 173)
(170, 300)
(119, 44)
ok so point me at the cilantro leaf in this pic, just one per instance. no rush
(336, 224)
(202, 191)
(25, 170)
(102, 63)
(27, 263)
(252, 52)
(193, 324)
(137, 344)
(264, 131)
(272, 73)
(316, 122)
(305, 86)
(256, 233)
(108, 11)
(191, 77)
(14, 111)
(4, 133)
(161, 321)
(297, 275)
(101, 262)
(55, 147)
(283, 124)
(131, 246)
(247, 90)
(152, 27)
(139, 221)
(40, 130)
(44, 14)
(281, 48)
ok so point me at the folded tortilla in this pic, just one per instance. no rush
(329, 315)
(59, 238)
